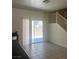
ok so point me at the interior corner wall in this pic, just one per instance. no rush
(19, 14)
(57, 35)
(52, 17)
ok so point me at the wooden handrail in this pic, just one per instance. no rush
(62, 17)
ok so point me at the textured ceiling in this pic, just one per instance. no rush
(52, 5)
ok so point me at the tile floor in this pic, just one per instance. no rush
(45, 50)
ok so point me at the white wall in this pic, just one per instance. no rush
(25, 31)
(53, 17)
(57, 35)
(17, 19)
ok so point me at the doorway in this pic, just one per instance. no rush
(37, 31)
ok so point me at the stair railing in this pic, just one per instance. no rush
(62, 21)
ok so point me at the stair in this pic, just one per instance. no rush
(63, 12)
(61, 20)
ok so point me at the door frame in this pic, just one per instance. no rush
(30, 24)
(42, 27)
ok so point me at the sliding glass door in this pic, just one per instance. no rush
(37, 31)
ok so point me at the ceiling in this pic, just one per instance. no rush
(51, 5)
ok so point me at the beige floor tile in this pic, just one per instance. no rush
(45, 50)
